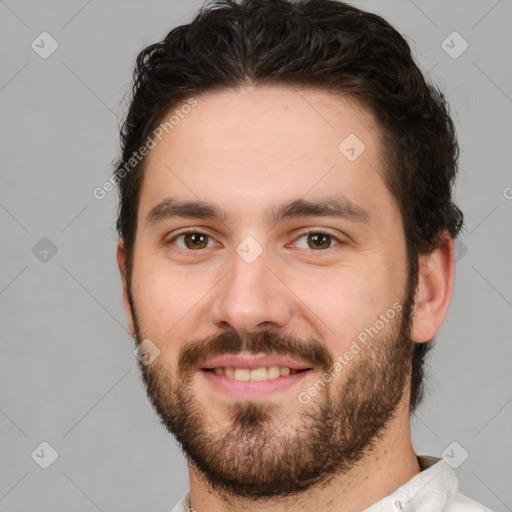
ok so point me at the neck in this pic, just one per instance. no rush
(391, 463)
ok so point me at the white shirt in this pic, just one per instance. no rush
(432, 490)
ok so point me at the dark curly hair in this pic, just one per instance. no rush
(320, 43)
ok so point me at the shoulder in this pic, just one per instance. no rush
(183, 504)
(461, 503)
(455, 501)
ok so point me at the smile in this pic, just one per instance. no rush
(255, 374)
(252, 383)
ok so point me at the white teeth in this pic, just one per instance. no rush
(242, 374)
(256, 374)
(273, 372)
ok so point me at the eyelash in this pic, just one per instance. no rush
(301, 235)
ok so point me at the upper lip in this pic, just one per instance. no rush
(252, 361)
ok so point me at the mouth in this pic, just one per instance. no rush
(249, 376)
(255, 374)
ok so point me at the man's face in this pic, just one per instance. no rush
(306, 260)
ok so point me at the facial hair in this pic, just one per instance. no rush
(254, 456)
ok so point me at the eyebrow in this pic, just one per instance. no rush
(334, 206)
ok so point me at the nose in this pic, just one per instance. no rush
(251, 297)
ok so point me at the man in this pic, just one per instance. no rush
(286, 249)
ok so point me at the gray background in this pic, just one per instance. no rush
(68, 374)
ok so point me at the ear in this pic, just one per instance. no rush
(434, 290)
(121, 263)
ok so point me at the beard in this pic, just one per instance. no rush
(253, 454)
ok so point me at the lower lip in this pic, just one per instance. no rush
(250, 388)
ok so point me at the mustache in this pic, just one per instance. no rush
(195, 352)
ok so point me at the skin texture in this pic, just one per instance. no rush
(246, 151)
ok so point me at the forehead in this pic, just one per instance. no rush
(248, 149)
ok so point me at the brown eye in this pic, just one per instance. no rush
(193, 241)
(316, 240)
(319, 241)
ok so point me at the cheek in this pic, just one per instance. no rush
(343, 303)
(162, 311)
(165, 299)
